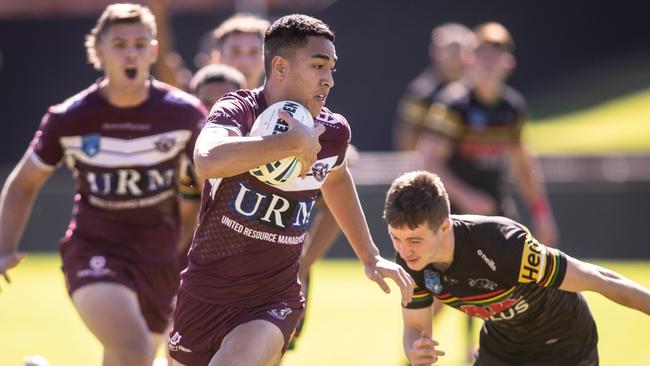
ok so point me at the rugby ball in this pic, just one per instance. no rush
(269, 123)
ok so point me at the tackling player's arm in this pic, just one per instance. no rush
(419, 348)
(341, 197)
(221, 152)
(16, 202)
(582, 276)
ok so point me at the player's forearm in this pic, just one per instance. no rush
(408, 338)
(342, 199)
(622, 290)
(233, 155)
(16, 204)
(528, 177)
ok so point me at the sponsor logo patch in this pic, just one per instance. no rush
(532, 261)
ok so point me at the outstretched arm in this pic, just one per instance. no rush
(419, 348)
(16, 204)
(342, 199)
(581, 276)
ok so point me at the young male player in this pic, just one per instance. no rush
(240, 297)
(124, 137)
(493, 268)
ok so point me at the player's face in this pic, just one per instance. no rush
(492, 63)
(309, 73)
(417, 246)
(210, 92)
(450, 60)
(126, 52)
(243, 51)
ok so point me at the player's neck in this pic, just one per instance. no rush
(446, 255)
(122, 97)
(273, 93)
(488, 92)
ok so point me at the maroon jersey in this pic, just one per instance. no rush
(246, 248)
(126, 165)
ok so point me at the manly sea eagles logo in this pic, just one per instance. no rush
(90, 144)
(280, 313)
(432, 281)
(320, 171)
(165, 144)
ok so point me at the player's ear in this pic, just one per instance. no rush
(154, 50)
(279, 66)
(509, 61)
(445, 226)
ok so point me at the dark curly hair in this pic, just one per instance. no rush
(290, 32)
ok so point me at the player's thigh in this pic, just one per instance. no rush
(255, 343)
(112, 313)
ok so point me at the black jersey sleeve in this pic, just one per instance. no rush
(422, 297)
(526, 261)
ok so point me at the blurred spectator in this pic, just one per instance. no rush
(450, 51)
(237, 42)
(211, 82)
(473, 132)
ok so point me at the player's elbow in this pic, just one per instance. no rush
(207, 165)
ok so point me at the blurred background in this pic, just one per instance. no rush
(583, 67)
(584, 70)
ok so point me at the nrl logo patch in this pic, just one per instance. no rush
(432, 281)
(320, 171)
(90, 144)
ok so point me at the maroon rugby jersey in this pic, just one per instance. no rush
(126, 165)
(246, 248)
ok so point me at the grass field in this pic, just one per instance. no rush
(349, 321)
(620, 125)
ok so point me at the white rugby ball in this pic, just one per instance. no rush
(269, 123)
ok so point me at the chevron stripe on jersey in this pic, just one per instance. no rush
(114, 152)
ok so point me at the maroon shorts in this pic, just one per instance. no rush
(200, 327)
(154, 283)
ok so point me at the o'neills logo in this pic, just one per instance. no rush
(487, 260)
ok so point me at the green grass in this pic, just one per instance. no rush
(620, 125)
(349, 321)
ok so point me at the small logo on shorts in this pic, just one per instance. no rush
(280, 313)
(174, 345)
(97, 268)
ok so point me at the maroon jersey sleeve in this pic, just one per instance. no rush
(232, 113)
(46, 142)
(347, 134)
